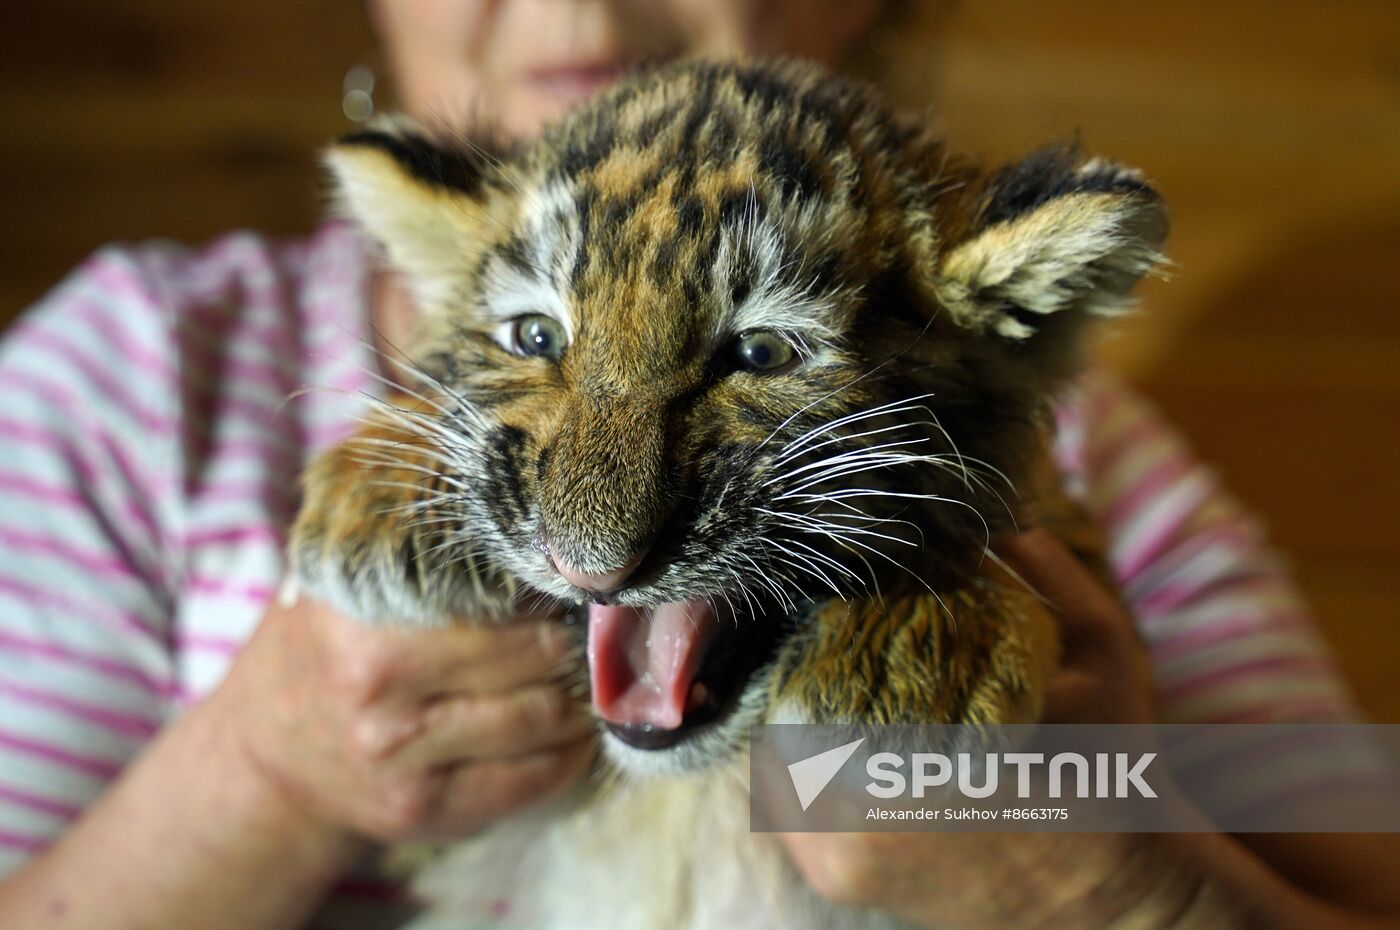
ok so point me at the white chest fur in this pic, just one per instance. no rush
(661, 854)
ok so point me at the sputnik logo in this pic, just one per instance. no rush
(810, 776)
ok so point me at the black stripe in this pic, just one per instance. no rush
(1046, 174)
(455, 170)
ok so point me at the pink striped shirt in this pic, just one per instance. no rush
(148, 479)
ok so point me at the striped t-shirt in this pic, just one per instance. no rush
(153, 425)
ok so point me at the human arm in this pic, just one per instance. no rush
(325, 735)
(189, 833)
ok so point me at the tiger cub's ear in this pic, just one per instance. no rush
(1055, 240)
(428, 205)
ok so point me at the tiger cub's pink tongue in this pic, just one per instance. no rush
(643, 660)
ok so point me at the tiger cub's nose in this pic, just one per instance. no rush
(601, 582)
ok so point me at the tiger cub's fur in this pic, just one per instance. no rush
(734, 344)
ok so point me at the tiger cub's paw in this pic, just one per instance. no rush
(361, 543)
(979, 655)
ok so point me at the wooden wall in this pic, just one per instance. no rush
(125, 119)
(1274, 130)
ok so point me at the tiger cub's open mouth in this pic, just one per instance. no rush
(661, 673)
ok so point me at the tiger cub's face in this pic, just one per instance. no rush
(732, 340)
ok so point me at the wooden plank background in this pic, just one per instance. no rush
(1274, 131)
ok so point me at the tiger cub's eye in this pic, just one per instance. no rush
(763, 352)
(538, 336)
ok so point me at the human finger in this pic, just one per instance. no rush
(1104, 674)
(1086, 609)
(514, 723)
(480, 660)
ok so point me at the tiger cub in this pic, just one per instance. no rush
(751, 369)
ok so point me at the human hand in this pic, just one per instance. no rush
(396, 734)
(984, 880)
(992, 881)
(1104, 675)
